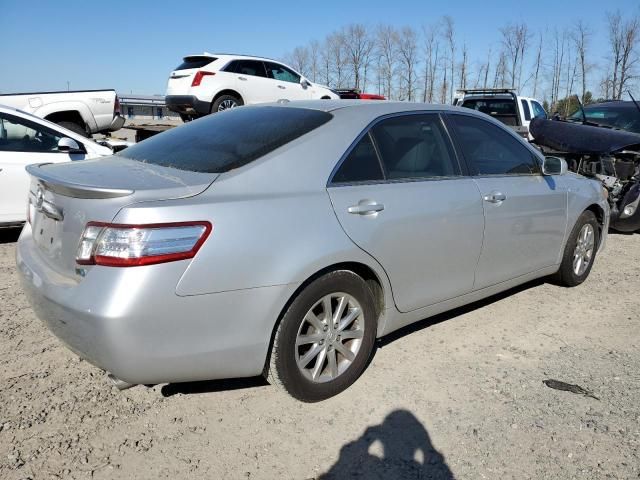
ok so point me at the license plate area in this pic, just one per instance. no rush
(47, 234)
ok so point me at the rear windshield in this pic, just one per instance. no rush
(621, 117)
(195, 62)
(502, 109)
(226, 140)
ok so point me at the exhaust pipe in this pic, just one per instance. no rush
(120, 384)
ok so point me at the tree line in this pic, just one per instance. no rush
(430, 63)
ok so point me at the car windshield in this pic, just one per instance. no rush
(226, 140)
(623, 116)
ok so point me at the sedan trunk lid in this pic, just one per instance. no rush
(63, 198)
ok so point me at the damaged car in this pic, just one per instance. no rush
(598, 151)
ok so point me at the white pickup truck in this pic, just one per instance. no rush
(504, 105)
(82, 111)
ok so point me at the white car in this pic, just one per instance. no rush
(27, 139)
(208, 83)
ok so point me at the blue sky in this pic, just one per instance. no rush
(133, 45)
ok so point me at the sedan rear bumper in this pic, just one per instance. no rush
(130, 322)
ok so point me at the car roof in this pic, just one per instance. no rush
(232, 56)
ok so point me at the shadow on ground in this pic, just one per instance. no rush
(9, 235)
(208, 386)
(398, 448)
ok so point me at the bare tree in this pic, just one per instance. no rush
(431, 48)
(299, 60)
(630, 35)
(449, 35)
(500, 77)
(358, 46)
(536, 65)
(487, 66)
(515, 39)
(386, 44)
(580, 36)
(616, 40)
(464, 67)
(408, 52)
(314, 60)
(338, 57)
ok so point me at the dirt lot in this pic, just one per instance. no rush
(459, 397)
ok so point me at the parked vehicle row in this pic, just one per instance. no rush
(326, 224)
(84, 112)
(209, 83)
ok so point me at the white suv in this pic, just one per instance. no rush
(208, 83)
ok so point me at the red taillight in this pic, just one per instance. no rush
(116, 107)
(118, 245)
(197, 78)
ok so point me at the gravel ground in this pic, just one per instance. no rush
(460, 396)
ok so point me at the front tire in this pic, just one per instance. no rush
(580, 251)
(226, 102)
(325, 338)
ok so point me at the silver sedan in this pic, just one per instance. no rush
(283, 239)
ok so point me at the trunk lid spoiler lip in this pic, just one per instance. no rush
(69, 189)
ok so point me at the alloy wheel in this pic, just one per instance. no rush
(329, 337)
(583, 252)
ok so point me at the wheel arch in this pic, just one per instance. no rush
(599, 212)
(227, 91)
(72, 116)
(364, 271)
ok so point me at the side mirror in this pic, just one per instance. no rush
(69, 145)
(305, 83)
(554, 166)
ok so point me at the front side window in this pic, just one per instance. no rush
(227, 140)
(21, 135)
(490, 150)
(282, 73)
(361, 164)
(415, 146)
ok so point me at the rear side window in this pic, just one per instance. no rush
(525, 109)
(223, 141)
(415, 146)
(195, 62)
(490, 150)
(361, 164)
(254, 68)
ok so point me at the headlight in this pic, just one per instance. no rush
(605, 192)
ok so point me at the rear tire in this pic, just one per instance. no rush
(75, 128)
(580, 251)
(226, 102)
(311, 358)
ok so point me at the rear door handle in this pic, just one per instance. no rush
(282, 87)
(495, 197)
(365, 208)
(242, 78)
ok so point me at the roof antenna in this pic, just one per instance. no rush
(634, 100)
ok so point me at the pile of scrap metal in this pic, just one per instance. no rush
(609, 155)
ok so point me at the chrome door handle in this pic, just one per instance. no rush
(495, 197)
(242, 78)
(365, 208)
(281, 87)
